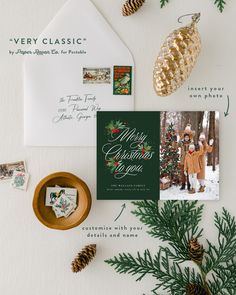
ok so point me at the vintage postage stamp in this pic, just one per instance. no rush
(6, 170)
(63, 206)
(20, 180)
(96, 75)
(122, 80)
(53, 193)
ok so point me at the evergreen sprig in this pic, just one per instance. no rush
(168, 272)
(163, 2)
(224, 279)
(220, 5)
(216, 256)
(177, 224)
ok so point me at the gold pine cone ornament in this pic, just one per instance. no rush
(177, 58)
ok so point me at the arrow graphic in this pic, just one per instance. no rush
(227, 112)
(123, 208)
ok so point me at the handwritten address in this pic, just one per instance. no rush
(78, 108)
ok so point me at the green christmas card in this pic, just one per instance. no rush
(128, 155)
(157, 155)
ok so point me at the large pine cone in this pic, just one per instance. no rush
(195, 251)
(177, 58)
(131, 6)
(83, 258)
(196, 290)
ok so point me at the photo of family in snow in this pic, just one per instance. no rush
(189, 155)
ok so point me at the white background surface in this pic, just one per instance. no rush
(36, 260)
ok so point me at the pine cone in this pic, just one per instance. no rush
(196, 290)
(195, 251)
(131, 6)
(83, 258)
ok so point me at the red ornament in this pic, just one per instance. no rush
(115, 130)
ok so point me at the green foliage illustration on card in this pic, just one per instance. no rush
(210, 269)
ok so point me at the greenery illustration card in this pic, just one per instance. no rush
(128, 155)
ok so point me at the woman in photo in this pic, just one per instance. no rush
(192, 165)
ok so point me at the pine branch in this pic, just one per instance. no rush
(175, 223)
(224, 280)
(220, 5)
(226, 250)
(163, 2)
(170, 276)
(126, 263)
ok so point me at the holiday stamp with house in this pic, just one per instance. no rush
(96, 75)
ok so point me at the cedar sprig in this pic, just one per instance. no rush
(163, 3)
(211, 270)
(168, 273)
(175, 222)
(220, 4)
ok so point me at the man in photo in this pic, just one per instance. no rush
(186, 139)
(207, 148)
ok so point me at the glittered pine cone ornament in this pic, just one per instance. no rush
(177, 58)
(196, 290)
(83, 258)
(131, 6)
(195, 251)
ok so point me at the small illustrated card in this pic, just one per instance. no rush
(74, 70)
(53, 193)
(128, 155)
(20, 180)
(63, 206)
(158, 155)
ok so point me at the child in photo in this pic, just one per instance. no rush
(192, 165)
(186, 139)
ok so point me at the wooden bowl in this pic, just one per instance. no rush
(46, 215)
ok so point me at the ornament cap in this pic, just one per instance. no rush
(195, 17)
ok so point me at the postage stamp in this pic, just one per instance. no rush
(53, 193)
(20, 180)
(96, 75)
(122, 80)
(63, 206)
(6, 170)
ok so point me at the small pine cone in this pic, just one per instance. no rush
(195, 251)
(83, 258)
(196, 290)
(131, 6)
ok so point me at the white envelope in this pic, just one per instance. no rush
(59, 107)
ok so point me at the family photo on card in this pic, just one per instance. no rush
(189, 155)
